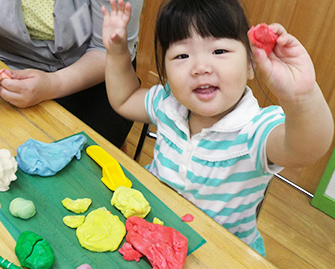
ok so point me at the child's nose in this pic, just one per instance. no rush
(201, 67)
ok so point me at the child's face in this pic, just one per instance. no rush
(208, 75)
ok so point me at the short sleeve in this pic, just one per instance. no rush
(259, 130)
(153, 98)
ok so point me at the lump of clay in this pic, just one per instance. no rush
(84, 266)
(129, 253)
(163, 246)
(157, 221)
(130, 202)
(187, 218)
(22, 208)
(77, 206)
(73, 221)
(263, 37)
(46, 159)
(101, 231)
(33, 251)
(8, 167)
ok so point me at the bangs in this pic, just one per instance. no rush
(179, 19)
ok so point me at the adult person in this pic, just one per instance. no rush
(54, 55)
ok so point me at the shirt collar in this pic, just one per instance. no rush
(245, 110)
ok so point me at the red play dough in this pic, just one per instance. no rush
(187, 218)
(163, 246)
(263, 37)
(129, 253)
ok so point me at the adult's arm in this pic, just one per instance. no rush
(30, 86)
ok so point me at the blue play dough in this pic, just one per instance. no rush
(46, 159)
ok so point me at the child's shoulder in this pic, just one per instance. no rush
(159, 92)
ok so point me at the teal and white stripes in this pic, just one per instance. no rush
(223, 170)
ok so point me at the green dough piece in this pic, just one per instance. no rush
(22, 208)
(33, 251)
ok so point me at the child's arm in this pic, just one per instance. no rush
(123, 87)
(308, 130)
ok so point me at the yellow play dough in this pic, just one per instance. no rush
(157, 221)
(101, 231)
(130, 202)
(73, 221)
(77, 206)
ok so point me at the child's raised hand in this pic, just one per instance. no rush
(288, 70)
(114, 28)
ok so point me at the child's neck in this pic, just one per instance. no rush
(197, 123)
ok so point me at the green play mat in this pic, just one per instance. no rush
(80, 179)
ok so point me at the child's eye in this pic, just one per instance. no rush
(182, 56)
(219, 51)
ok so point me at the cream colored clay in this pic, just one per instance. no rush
(8, 168)
(22, 208)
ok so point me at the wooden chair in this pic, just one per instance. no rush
(145, 132)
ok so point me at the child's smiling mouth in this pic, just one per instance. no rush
(205, 92)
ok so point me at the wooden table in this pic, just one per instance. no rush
(49, 121)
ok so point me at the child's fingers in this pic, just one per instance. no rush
(288, 41)
(118, 7)
(284, 38)
(261, 60)
(121, 6)
(114, 6)
(105, 12)
(125, 8)
(128, 9)
(278, 29)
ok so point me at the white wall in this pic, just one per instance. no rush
(330, 191)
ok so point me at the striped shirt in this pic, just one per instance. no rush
(223, 170)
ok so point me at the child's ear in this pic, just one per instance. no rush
(251, 73)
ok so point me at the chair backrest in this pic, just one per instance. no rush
(145, 132)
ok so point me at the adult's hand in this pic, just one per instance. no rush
(25, 88)
(30, 86)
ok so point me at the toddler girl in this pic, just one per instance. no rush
(215, 145)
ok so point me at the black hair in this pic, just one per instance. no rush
(177, 19)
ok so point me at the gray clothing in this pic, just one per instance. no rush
(18, 51)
